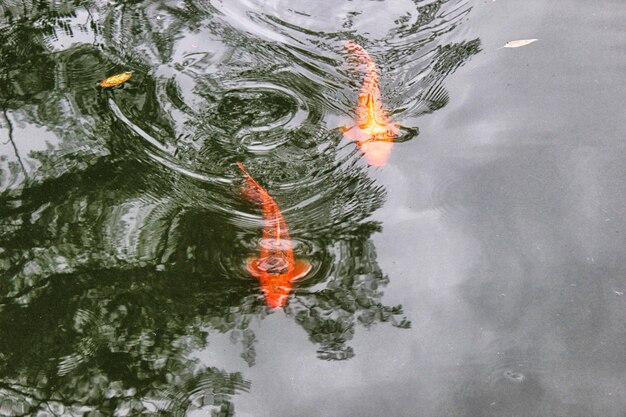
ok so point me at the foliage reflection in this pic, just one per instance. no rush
(123, 237)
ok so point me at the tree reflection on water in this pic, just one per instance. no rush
(118, 257)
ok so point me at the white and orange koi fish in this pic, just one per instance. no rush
(373, 130)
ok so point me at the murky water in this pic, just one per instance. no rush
(452, 210)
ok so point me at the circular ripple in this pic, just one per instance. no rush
(249, 244)
(514, 376)
(261, 115)
(280, 120)
(204, 389)
(447, 199)
(516, 368)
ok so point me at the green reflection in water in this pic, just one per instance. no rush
(122, 232)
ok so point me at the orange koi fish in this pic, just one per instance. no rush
(373, 131)
(275, 268)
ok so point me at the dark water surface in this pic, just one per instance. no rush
(480, 272)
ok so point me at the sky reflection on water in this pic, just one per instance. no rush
(492, 242)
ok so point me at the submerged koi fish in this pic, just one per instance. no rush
(374, 131)
(275, 268)
(115, 80)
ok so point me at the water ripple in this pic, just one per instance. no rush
(284, 105)
(127, 215)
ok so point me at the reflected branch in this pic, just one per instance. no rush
(10, 128)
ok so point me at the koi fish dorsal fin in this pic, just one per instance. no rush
(299, 271)
(269, 266)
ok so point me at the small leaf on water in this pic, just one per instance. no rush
(115, 80)
(518, 43)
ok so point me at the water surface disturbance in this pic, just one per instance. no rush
(312, 208)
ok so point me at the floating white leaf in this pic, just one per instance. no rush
(518, 43)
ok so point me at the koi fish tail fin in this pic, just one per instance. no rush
(361, 61)
(357, 52)
(245, 173)
(251, 192)
(251, 189)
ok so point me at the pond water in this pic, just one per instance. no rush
(465, 259)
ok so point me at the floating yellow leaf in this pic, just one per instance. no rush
(518, 43)
(114, 80)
